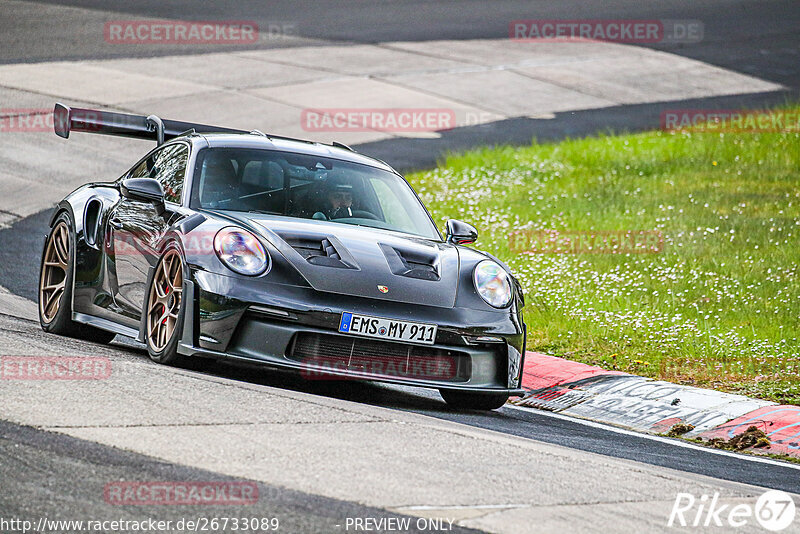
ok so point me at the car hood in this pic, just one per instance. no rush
(364, 262)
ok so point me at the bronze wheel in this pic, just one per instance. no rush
(55, 286)
(164, 303)
(53, 279)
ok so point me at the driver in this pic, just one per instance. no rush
(338, 200)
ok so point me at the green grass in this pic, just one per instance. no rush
(718, 307)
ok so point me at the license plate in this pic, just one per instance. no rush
(378, 327)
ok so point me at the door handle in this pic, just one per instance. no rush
(115, 223)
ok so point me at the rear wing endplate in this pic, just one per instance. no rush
(151, 128)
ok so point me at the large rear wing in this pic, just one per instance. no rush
(152, 128)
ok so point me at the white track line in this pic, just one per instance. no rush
(661, 439)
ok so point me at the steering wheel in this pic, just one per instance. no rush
(361, 214)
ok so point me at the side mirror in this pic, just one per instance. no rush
(460, 233)
(144, 190)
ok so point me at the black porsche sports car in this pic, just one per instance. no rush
(223, 243)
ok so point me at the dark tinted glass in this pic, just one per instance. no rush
(309, 187)
(168, 166)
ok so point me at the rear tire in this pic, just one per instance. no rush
(56, 283)
(164, 309)
(467, 400)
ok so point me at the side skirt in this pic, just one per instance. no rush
(105, 324)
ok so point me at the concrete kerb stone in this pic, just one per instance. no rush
(652, 406)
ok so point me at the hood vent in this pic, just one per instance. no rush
(418, 271)
(319, 250)
(420, 264)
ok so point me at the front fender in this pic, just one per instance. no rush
(197, 240)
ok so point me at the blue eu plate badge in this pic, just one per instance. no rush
(347, 318)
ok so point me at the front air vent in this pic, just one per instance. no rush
(317, 250)
(379, 358)
(413, 263)
(329, 256)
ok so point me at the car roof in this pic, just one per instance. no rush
(297, 146)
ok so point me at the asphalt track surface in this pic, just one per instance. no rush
(526, 423)
(533, 424)
(756, 38)
(84, 468)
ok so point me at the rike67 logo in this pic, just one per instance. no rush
(774, 511)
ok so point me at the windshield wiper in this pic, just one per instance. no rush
(265, 212)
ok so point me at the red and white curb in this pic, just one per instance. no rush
(653, 406)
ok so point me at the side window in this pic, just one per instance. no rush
(170, 169)
(142, 170)
(168, 166)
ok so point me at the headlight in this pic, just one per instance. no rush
(492, 284)
(240, 251)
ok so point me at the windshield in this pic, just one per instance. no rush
(307, 187)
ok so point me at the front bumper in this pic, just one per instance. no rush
(297, 328)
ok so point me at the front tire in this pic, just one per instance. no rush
(56, 283)
(165, 309)
(468, 400)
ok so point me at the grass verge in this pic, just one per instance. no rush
(718, 306)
